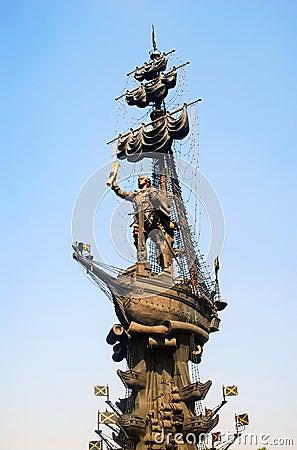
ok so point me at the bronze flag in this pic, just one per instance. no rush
(107, 417)
(208, 412)
(216, 437)
(101, 391)
(243, 419)
(95, 445)
(230, 390)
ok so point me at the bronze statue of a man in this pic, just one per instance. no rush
(151, 219)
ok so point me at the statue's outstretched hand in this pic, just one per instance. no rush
(114, 185)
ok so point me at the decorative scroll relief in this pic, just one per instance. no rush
(157, 139)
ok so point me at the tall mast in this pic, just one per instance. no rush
(165, 177)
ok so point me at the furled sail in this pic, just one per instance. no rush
(158, 138)
(151, 70)
(154, 91)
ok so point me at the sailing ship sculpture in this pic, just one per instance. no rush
(166, 314)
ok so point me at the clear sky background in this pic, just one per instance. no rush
(62, 64)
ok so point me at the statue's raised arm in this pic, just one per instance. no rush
(123, 194)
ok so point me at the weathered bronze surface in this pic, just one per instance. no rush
(164, 321)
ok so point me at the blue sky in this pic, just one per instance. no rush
(62, 65)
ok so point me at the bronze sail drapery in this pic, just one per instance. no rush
(155, 91)
(157, 139)
(150, 70)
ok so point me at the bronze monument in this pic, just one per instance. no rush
(167, 304)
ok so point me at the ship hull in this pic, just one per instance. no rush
(152, 299)
(156, 309)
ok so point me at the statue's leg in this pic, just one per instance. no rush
(164, 244)
(168, 250)
(157, 236)
(135, 235)
(140, 237)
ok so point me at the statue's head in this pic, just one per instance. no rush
(144, 180)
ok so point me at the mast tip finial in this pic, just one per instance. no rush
(154, 38)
